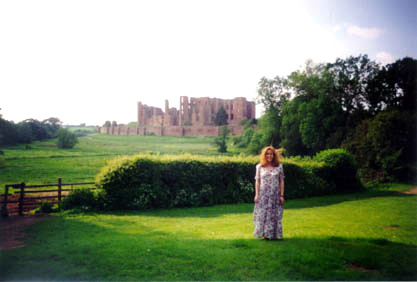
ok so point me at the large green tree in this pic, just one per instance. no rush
(395, 86)
(313, 120)
(353, 101)
(52, 125)
(290, 129)
(273, 94)
(321, 124)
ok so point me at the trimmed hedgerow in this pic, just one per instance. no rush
(339, 169)
(165, 181)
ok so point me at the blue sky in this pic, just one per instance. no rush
(87, 61)
(396, 21)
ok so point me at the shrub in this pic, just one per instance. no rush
(339, 170)
(152, 181)
(66, 139)
(45, 207)
(84, 199)
(256, 144)
(244, 140)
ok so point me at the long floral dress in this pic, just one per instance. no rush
(267, 214)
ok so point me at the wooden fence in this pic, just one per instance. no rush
(23, 200)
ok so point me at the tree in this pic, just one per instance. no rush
(52, 125)
(385, 143)
(269, 126)
(330, 99)
(290, 133)
(312, 82)
(395, 86)
(351, 77)
(8, 133)
(273, 93)
(221, 140)
(39, 130)
(403, 75)
(25, 133)
(221, 117)
(66, 139)
(321, 124)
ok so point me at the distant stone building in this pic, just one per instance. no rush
(195, 117)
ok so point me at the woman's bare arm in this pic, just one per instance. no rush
(257, 184)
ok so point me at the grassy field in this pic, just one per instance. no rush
(365, 236)
(43, 163)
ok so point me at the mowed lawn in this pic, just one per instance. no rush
(43, 162)
(365, 236)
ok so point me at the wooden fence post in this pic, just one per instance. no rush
(59, 192)
(22, 196)
(4, 211)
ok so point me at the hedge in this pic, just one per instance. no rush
(163, 181)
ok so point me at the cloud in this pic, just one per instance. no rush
(367, 33)
(384, 58)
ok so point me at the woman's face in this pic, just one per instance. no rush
(269, 156)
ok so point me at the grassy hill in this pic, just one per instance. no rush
(43, 162)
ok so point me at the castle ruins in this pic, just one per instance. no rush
(195, 117)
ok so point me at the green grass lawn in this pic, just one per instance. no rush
(365, 236)
(44, 162)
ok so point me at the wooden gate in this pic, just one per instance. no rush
(25, 198)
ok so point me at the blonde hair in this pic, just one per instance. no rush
(275, 160)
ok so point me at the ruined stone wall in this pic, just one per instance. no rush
(196, 112)
(202, 111)
(169, 130)
(149, 116)
(195, 117)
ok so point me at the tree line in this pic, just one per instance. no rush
(352, 103)
(29, 130)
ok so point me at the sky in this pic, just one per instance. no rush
(91, 61)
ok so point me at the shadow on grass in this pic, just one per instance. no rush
(335, 199)
(76, 249)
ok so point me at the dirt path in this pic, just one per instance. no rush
(412, 191)
(12, 230)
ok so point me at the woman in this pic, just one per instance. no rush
(269, 197)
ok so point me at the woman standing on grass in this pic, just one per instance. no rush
(269, 197)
